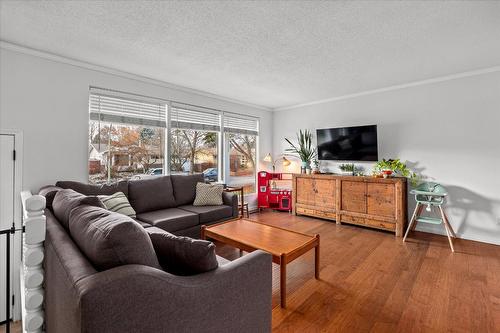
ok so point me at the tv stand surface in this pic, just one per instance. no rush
(368, 201)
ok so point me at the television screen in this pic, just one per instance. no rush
(358, 143)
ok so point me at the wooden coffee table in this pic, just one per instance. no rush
(284, 245)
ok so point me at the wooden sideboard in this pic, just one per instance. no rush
(372, 202)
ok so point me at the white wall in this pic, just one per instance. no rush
(448, 131)
(48, 101)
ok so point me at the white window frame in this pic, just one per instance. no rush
(223, 146)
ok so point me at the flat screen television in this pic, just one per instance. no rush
(358, 143)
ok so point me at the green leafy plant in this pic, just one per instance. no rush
(347, 167)
(304, 148)
(398, 167)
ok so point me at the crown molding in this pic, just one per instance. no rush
(108, 70)
(395, 87)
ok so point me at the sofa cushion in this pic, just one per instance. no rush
(170, 219)
(117, 203)
(88, 189)
(185, 188)
(210, 213)
(66, 200)
(146, 195)
(49, 192)
(110, 239)
(183, 255)
(142, 223)
(208, 195)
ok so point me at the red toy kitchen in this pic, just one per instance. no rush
(275, 191)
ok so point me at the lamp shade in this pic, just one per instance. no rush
(268, 158)
(286, 162)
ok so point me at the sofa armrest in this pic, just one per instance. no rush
(231, 199)
(235, 297)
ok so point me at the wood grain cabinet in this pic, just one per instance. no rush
(372, 202)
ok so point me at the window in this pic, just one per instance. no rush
(241, 140)
(129, 136)
(194, 140)
(126, 138)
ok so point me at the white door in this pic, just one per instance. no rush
(7, 178)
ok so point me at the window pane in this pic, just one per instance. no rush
(242, 151)
(120, 152)
(194, 151)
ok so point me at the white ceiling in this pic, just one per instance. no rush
(270, 53)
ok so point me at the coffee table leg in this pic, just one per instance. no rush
(283, 281)
(316, 257)
(203, 231)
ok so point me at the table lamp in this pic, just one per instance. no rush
(285, 162)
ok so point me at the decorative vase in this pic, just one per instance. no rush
(304, 166)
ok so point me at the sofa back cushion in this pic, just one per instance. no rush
(88, 189)
(110, 239)
(146, 195)
(183, 255)
(66, 200)
(185, 188)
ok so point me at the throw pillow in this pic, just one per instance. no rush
(208, 195)
(117, 203)
(182, 255)
(65, 200)
(110, 239)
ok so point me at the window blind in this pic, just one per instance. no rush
(184, 116)
(107, 106)
(240, 125)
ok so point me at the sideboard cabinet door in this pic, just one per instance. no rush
(325, 193)
(353, 194)
(381, 199)
(305, 191)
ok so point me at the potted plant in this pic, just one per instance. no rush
(347, 169)
(316, 166)
(387, 168)
(304, 148)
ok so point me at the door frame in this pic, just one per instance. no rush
(17, 239)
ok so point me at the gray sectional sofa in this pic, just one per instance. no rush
(80, 297)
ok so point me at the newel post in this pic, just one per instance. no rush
(32, 274)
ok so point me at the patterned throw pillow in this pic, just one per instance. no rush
(208, 195)
(117, 203)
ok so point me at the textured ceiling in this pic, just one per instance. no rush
(270, 53)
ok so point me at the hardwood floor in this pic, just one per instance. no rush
(373, 282)
(15, 327)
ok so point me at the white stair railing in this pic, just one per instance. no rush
(32, 273)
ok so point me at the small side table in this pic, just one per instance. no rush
(241, 203)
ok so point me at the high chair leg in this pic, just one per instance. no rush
(448, 223)
(448, 233)
(413, 218)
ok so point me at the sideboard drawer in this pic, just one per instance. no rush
(381, 224)
(316, 213)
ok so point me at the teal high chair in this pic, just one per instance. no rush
(430, 195)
